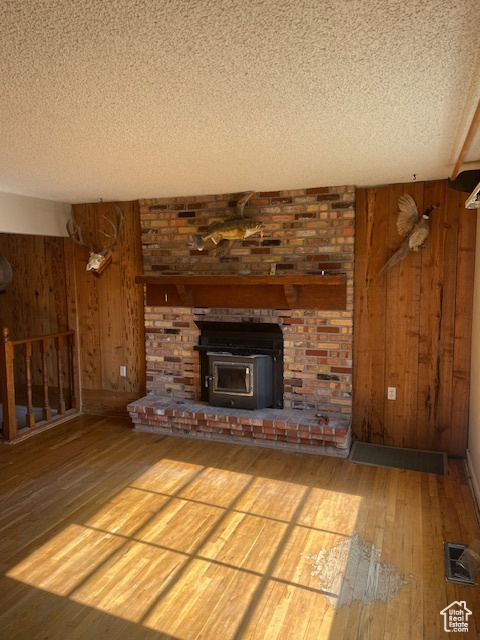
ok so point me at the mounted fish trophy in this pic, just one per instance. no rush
(98, 259)
(6, 273)
(236, 227)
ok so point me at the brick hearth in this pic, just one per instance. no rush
(282, 428)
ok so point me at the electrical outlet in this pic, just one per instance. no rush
(392, 393)
(123, 371)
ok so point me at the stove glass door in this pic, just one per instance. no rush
(234, 378)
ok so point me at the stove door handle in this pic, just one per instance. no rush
(207, 381)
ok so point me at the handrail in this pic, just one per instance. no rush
(47, 336)
(61, 341)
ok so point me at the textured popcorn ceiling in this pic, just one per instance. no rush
(140, 98)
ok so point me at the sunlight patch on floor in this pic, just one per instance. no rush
(66, 559)
(207, 597)
(187, 546)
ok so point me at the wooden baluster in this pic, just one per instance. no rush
(61, 401)
(29, 416)
(73, 373)
(7, 386)
(47, 412)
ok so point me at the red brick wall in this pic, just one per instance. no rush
(306, 231)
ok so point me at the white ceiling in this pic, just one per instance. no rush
(126, 99)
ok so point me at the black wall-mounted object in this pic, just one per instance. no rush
(465, 181)
(6, 273)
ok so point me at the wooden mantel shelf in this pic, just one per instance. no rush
(323, 292)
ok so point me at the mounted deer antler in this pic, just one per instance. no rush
(96, 258)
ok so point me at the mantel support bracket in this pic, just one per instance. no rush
(185, 293)
(291, 294)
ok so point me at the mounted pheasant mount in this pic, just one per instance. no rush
(98, 259)
(410, 226)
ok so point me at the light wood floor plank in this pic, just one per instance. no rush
(108, 533)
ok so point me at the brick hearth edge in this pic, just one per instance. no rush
(290, 429)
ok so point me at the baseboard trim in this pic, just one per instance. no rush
(25, 433)
(474, 482)
(108, 403)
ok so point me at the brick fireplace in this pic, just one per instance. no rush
(308, 233)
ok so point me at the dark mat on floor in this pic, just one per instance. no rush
(378, 455)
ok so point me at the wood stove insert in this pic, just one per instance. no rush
(241, 364)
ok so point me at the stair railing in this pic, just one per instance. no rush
(60, 342)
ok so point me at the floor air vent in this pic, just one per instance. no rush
(456, 571)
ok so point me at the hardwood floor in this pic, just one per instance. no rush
(108, 533)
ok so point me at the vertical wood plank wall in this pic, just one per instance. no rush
(36, 302)
(412, 326)
(110, 314)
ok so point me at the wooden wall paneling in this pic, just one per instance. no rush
(449, 228)
(5, 252)
(369, 303)
(42, 318)
(431, 286)
(132, 302)
(21, 296)
(110, 316)
(55, 297)
(10, 305)
(463, 328)
(18, 299)
(110, 310)
(427, 311)
(71, 284)
(402, 320)
(393, 322)
(55, 260)
(10, 300)
(36, 304)
(72, 315)
(413, 313)
(37, 264)
(88, 311)
(361, 368)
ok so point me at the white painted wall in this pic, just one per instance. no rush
(33, 216)
(473, 453)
